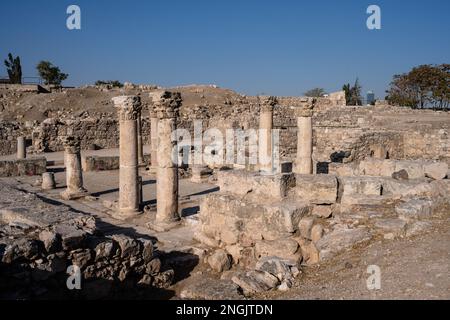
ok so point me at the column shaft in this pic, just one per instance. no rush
(154, 139)
(140, 144)
(128, 175)
(129, 109)
(167, 173)
(21, 148)
(74, 171)
(304, 163)
(265, 143)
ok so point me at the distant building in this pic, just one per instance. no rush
(370, 97)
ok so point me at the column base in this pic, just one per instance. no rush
(163, 226)
(71, 195)
(124, 214)
(302, 168)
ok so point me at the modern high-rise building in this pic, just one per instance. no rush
(370, 97)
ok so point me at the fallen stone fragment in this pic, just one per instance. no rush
(255, 282)
(395, 226)
(277, 267)
(201, 287)
(283, 248)
(220, 261)
(414, 209)
(341, 239)
(51, 240)
(128, 246)
(104, 250)
(436, 170)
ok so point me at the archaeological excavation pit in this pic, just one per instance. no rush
(295, 185)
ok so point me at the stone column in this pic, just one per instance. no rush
(21, 148)
(74, 172)
(303, 162)
(48, 181)
(167, 106)
(153, 136)
(265, 135)
(128, 109)
(139, 140)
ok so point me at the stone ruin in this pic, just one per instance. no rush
(266, 222)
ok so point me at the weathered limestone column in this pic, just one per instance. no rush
(128, 109)
(21, 148)
(139, 140)
(153, 135)
(266, 142)
(167, 106)
(303, 162)
(74, 172)
(48, 181)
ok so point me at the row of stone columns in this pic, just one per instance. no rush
(303, 163)
(163, 115)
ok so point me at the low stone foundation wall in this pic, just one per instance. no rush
(408, 169)
(104, 163)
(44, 248)
(23, 167)
(306, 219)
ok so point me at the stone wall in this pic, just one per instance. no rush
(23, 167)
(38, 242)
(8, 137)
(341, 133)
(103, 163)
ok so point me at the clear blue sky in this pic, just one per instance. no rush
(251, 46)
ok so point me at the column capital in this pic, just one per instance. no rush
(71, 144)
(128, 107)
(306, 108)
(151, 110)
(166, 104)
(267, 103)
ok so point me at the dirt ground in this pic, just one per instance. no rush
(412, 268)
(76, 102)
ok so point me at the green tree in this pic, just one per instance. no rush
(315, 93)
(50, 73)
(14, 69)
(425, 86)
(347, 89)
(353, 94)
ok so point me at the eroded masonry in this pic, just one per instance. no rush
(139, 211)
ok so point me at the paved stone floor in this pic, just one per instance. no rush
(103, 186)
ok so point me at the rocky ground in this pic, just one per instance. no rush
(411, 268)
